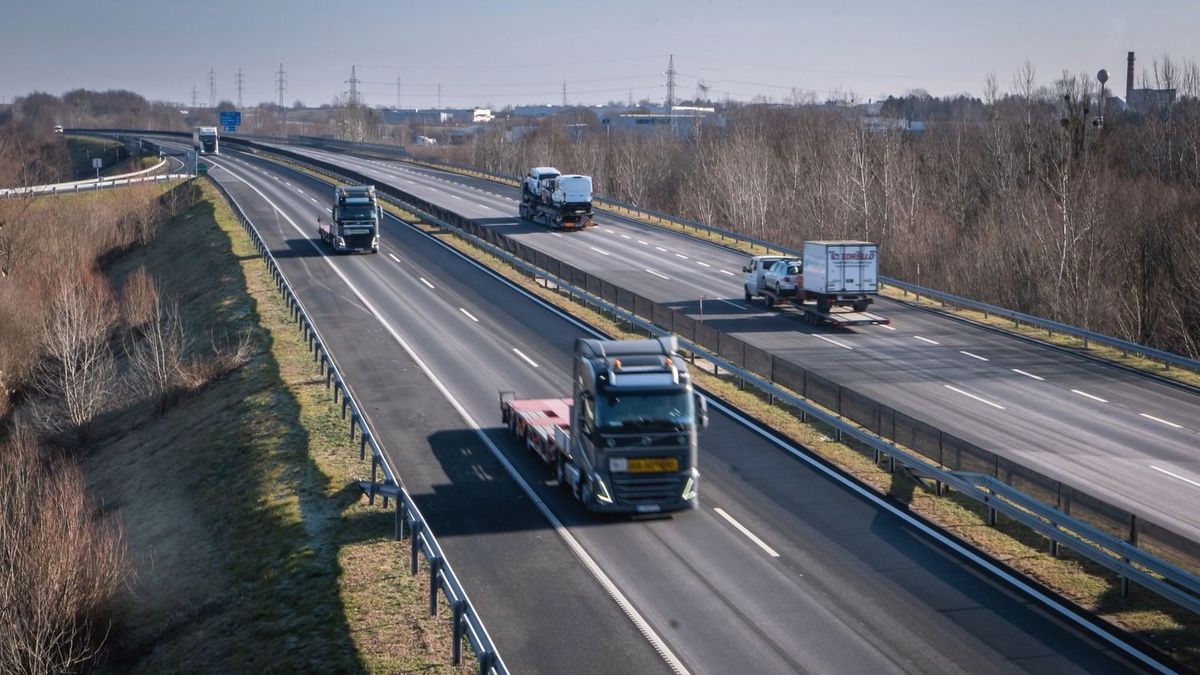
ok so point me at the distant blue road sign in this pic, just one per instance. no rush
(229, 130)
(231, 118)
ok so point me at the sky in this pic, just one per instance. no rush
(521, 51)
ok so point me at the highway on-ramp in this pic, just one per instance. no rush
(782, 569)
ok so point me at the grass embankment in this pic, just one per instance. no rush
(1170, 629)
(252, 548)
(81, 150)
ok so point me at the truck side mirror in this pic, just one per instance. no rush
(746, 269)
(702, 410)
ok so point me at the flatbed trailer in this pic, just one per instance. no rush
(542, 423)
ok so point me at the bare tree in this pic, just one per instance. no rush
(60, 564)
(79, 371)
(156, 358)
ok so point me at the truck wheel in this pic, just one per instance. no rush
(749, 297)
(860, 307)
(560, 469)
(823, 306)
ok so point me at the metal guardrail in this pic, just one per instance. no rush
(88, 187)
(1133, 564)
(465, 620)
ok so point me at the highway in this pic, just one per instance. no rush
(782, 569)
(1118, 435)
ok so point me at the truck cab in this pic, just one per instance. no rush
(634, 426)
(354, 225)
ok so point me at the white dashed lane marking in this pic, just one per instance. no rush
(977, 398)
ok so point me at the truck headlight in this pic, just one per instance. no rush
(689, 488)
(602, 492)
(341, 242)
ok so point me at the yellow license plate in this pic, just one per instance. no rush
(653, 465)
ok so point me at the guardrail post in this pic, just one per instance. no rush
(414, 545)
(353, 421)
(345, 402)
(459, 609)
(991, 517)
(337, 387)
(374, 474)
(435, 567)
(1133, 539)
(362, 445)
(399, 531)
(486, 661)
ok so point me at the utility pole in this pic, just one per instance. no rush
(240, 82)
(353, 86)
(212, 88)
(671, 84)
(397, 92)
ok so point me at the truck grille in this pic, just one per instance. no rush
(648, 489)
(359, 240)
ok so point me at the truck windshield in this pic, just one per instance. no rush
(643, 410)
(357, 213)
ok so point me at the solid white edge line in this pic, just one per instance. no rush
(521, 354)
(977, 398)
(1172, 474)
(925, 339)
(1039, 378)
(469, 315)
(426, 282)
(1091, 396)
(1159, 419)
(393, 257)
(643, 626)
(658, 274)
(942, 538)
(744, 530)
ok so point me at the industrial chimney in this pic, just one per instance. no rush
(1129, 81)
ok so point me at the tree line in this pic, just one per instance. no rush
(1024, 198)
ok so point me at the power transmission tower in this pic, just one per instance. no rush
(240, 82)
(353, 98)
(630, 98)
(212, 88)
(671, 84)
(564, 93)
(193, 97)
(397, 92)
(281, 84)
(439, 97)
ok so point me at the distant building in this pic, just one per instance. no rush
(482, 115)
(682, 124)
(1145, 101)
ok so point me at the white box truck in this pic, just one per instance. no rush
(837, 282)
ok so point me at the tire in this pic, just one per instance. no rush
(585, 493)
(560, 470)
(860, 307)
(749, 297)
(823, 306)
